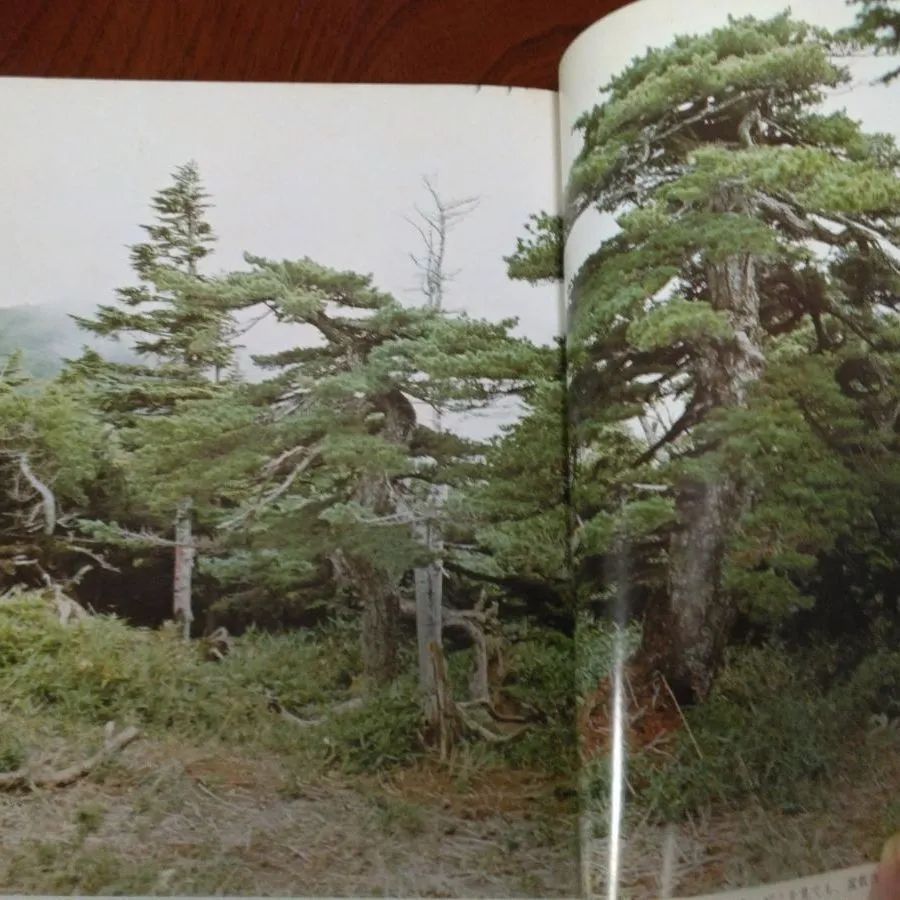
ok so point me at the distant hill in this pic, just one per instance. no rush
(47, 336)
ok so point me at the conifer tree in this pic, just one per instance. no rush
(54, 451)
(878, 25)
(329, 442)
(167, 324)
(757, 240)
(188, 341)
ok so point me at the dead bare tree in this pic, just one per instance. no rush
(433, 225)
(182, 604)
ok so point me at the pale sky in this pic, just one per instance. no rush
(325, 171)
(608, 46)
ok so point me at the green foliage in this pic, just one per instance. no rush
(779, 727)
(301, 668)
(710, 154)
(12, 751)
(878, 25)
(538, 255)
(516, 506)
(63, 438)
(101, 669)
(598, 643)
(318, 462)
(385, 732)
(541, 677)
(169, 316)
(679, 321)
(768, 731)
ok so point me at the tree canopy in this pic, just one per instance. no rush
(738, 329)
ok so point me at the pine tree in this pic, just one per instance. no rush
(713, 296)
(330, 442)
(878, 25)
(54, 451)
(166, 322)
(186, 336)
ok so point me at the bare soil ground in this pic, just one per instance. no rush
(164, 818)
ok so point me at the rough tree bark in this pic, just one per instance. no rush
(376, 587)
(429, 589)
(380, 621)
(686, 630)
(182, 604)
(433, 227)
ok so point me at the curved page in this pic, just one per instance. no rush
(732, 263)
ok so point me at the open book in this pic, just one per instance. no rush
(453, 491)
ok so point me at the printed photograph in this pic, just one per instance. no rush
(284, 597)
(732, 231)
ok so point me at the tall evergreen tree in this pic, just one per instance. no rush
(187, 339)
(331, 441)
(757, 239)
(167, 324)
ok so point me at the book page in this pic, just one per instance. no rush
(732, 265)
(283, 602)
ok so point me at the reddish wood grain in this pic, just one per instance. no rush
(510, 42)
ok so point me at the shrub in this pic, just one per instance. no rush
(384, 732)
(541, 678)
(769, 730)
(99, 669)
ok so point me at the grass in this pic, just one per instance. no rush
(222, 795)
(170, 816)
(101, 669)
(789, 768)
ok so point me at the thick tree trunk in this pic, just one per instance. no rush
(380, 622)
(375, 585)
(686, 631)
(182, 604)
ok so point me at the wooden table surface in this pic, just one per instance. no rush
(510, 42)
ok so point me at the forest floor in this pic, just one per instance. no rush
(775, 777)
(166, 818)
(842, 823)
(221, 794)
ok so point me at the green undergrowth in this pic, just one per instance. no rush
(536, 683)
(74, 678)
(781, 728)
(100, 669)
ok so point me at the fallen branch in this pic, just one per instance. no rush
(28, 779)
(485, 733)
(344, 706)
